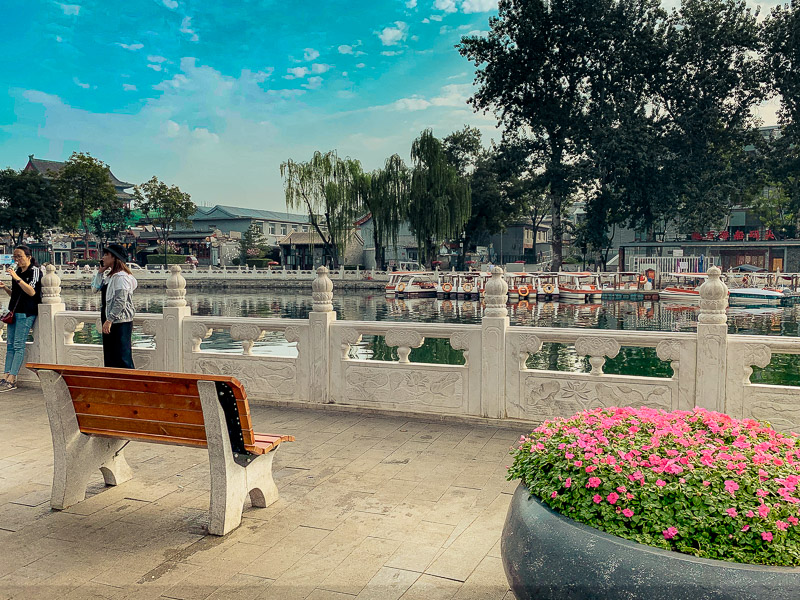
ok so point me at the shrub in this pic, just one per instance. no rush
(698, 482)
(172, 259)
(258, 263)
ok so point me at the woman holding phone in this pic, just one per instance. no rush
(26, 295)
(116, 284)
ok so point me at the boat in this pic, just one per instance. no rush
(755, 295)
(447, 286)
(682, 287)
(627, 285)
(470, 285)
(421, 284)
(547, 286)
(578, 286)
(521, 286)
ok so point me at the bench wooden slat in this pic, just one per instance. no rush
(153, 386)
(148, 413)
(155, 428)
(143, 437)
(143, 399)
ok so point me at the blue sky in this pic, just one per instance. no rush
(213, 96)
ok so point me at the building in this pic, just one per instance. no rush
(51, 168)
(515, 242)
(305, 250)
(405, 250)
(232, 220)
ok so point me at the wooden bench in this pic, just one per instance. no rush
(94, 412)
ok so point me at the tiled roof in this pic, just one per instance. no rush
(234, 212)
(301, 238)
(46, 167)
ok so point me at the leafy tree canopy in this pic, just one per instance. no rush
(28, 204)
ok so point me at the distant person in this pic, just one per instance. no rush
(26, 296)
(116, 284)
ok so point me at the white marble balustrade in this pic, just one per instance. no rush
(710, 368)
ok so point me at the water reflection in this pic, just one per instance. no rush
(623, 315)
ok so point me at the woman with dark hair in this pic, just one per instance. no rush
(26, 295)
(116, 284)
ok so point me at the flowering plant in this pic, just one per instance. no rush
(696, 482)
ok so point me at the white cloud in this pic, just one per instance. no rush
(411, 4)
(313, 83)
(446, 6)
(156, 68)
(71, 9)
(59, 39)
(452, 95)
(320, 68)
(426, 20)
(77, 82)
(345, 49)
(478, 33)
(128, 87)
(186, 27)
(360, 66)
(391, 52)
(478, 6)
(310, 54)
(133, 47)
(413, 103)
(170, 3)
(204, 135)
(391, 36)
(171, 129)
(296, 72)
(436, 18)
(156, 59)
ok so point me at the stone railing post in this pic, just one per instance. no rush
(52, 304)
(320, 321)
(175, 311)
(712, 344)
(494, 325)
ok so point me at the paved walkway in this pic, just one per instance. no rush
(371, 507)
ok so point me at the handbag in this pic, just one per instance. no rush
(8, 315)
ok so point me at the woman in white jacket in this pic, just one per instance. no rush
(116, 284)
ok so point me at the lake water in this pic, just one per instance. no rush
(373, 306)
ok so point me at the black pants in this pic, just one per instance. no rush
(117, 346)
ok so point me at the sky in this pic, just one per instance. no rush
(213, 96)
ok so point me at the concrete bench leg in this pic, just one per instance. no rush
(76, 456)
(231, 482)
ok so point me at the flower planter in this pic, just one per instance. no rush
(549, 556)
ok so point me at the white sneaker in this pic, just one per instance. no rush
(5, 386)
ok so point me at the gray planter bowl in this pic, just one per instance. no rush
(549, 556)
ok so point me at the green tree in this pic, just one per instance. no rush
(707, 89)
(439, 199)
(85, 186)
(252, 243)
(535, 71)
(164, 207)
(109, 222)
(27, 204)
(775, 209)
(323, 187)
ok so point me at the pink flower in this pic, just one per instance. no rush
(568, 482)
(782, 525)
(763, 511)
(612, 498)
(731, 486)
(554, 494)
(761, 493)
(706, 483)
(732, 512)
(746, 528)
(661, 483)
(627, 512)
(751, 514)
(793, 520)
(670, 532)
(766, 536)
(590, 468)
(594, 482)
(578, 463)
(597, 498)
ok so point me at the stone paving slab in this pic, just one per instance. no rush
(371, 507)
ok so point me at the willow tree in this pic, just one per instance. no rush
(384, 193)
(439, 198)
(323, 187)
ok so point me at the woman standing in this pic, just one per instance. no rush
(26, 295)
(116, 284)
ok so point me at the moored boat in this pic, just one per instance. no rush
(578, 286)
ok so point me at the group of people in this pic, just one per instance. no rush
(113, 281)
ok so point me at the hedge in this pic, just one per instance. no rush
(172, 259)
(259, 263)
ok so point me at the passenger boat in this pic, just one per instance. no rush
(547, 287)
(521, 286)
(626, 286)
(447, 287)
(755, 295)
(682, 287)
(406, 284)
(470, 285)
(578, 286)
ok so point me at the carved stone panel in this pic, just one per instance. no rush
(409, 388)
(779, 406)
(549, 397)
(261, 378)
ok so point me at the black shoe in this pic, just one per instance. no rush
(5, 386)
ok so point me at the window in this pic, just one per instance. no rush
(305, 228)
(283, 228)
(272, 228)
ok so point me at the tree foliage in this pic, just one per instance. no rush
(165, 207)
(28, 204)
(439, 199)
(84, 185)
(324, 188)
(252, 243)
(109, 222)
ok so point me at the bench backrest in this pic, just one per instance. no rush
(152, 405)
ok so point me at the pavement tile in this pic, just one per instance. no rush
(388, 584)
(427, 587)
(487, 582)
(360, 566)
